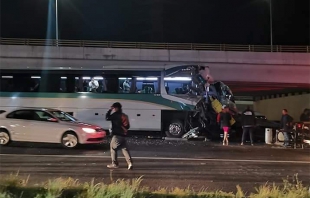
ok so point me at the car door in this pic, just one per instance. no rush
(20, 125)
(46, 128)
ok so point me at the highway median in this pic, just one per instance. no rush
(13, 186)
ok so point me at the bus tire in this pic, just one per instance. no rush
(175, 129)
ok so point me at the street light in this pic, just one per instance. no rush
(270, 12)
(56, 13)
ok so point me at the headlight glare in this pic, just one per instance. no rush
(89, 130)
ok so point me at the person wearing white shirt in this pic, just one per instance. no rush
(126, 86)
(93, 85)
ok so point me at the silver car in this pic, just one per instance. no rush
(48, 126)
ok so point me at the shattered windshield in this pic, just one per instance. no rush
(225, 95)
(194, 82)
(227, 92)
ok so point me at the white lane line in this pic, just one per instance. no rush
(163, 158)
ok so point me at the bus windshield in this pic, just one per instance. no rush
(224, 94)
(63, 116)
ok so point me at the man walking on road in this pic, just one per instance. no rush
(120, 126)
(286, 126)
(248, 124)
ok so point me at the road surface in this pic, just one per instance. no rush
(162, 163)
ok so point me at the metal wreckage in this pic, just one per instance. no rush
(209, 97)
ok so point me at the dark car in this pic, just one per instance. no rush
(261, 124)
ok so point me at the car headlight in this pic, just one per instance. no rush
(89, 130)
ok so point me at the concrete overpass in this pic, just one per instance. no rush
(242, 63)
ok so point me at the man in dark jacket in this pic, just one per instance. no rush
(248, 124)
(286, 126)
(119, 135)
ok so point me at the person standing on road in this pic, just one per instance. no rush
(224, 118)
(286, 126)
(248, 124)
(120, 126)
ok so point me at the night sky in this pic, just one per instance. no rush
(192, 21)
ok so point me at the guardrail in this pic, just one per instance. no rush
(149, 45)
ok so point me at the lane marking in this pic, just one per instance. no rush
(163, 158)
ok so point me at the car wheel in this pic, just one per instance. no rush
(69, 140)
(4, 138)
(175, 129)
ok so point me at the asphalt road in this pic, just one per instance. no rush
(162, 163)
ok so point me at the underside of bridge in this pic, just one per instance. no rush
(258, 91)
(270, 98)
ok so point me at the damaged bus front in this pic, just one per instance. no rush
(207, 98)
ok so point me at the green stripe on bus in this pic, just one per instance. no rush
(152, 98)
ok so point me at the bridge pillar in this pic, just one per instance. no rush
(80, 85)
(272, 107)
(22, 82)
(50, 82)
(70, 83)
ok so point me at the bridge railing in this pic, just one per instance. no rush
(149, 45)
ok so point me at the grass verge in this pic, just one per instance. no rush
(13, 186)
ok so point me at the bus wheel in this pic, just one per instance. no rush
(175, 129)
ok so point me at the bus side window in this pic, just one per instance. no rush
(124, 85)
(177, 87)
(148, 88)
(148, 85)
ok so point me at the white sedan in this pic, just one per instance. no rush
(48, 126)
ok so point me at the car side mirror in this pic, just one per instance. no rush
(52, 120)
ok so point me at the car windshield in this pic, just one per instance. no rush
(63, 116)
(260, 116)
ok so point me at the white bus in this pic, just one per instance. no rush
(154, 100)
